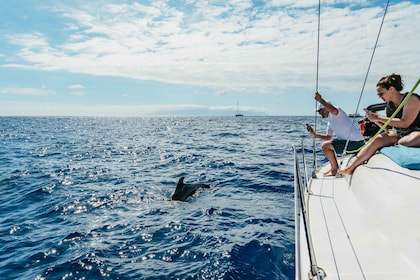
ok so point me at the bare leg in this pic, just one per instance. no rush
(411, 140)
(329, 152)
(368, 151)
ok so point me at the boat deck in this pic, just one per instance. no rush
(366, 226)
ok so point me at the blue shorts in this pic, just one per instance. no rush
(339, 144)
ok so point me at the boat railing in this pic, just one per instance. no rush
(301, 190)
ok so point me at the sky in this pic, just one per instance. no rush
(200, 57)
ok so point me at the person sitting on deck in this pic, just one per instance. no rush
(339, 128)
(406, 124)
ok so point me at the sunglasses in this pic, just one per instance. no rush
(380, 94)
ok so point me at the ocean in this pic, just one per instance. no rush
(89, 198)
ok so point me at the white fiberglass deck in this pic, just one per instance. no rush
(366, 226)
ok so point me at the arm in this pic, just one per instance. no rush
(410, 111)
(328, 106)
(323, 137)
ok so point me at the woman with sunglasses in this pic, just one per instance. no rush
(406, 124)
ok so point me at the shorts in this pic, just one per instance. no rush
(401, 132)
(352, 146)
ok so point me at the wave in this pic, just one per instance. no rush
(90, 198)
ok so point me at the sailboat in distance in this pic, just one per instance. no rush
(238, 114)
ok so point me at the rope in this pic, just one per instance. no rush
(391, 117)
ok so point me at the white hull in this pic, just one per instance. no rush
(363, 227)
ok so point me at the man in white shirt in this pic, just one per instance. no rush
(339, 128)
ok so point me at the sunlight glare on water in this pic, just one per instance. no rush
(89, 198)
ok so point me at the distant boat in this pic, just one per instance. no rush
(357, 115)
(238, 114)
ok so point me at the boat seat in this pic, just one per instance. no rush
(408, 157)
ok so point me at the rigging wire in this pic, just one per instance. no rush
(366, 77)
(314, 166)
(317, 47)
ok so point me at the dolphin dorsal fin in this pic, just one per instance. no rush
(180, 184)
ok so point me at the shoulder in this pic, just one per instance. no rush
(340, 112)
(414, 99)
(334, 110)
(414, 102)
(413, 96)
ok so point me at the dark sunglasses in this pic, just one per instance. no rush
(380, 94)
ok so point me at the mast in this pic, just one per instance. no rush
(237, 111)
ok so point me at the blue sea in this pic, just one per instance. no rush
(89, 198)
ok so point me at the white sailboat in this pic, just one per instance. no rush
(363, 226)
(238, 114)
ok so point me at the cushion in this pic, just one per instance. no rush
(408, 157)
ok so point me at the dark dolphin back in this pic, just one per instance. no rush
(178, 191)
(183, 191)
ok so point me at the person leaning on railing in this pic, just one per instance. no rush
(406, 124)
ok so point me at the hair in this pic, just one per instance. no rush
(393, 80)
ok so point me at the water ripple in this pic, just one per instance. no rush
(89, 198)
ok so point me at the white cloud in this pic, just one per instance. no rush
(76, 87)
(24, 91)
(231, 45)
(52, 109)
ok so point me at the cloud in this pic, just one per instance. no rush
(10, 108)
(76, 87)
(231, 45)
(24, 91)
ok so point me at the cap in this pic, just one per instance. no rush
(319, 107)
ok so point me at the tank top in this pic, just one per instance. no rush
(391, 107)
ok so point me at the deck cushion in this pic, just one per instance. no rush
(408, 157)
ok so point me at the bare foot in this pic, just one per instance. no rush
(330, 173)
(346, 171)
(351, 167)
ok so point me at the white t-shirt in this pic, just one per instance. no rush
(340, 126)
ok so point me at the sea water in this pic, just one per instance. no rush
(89, 198)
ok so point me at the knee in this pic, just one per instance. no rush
(327, 146)
(413, 139)
(384, 140)
(404, 141)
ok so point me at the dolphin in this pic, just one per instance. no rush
(184, 191)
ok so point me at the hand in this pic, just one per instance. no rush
(318, 97)
(372, 116)
(310, 129)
